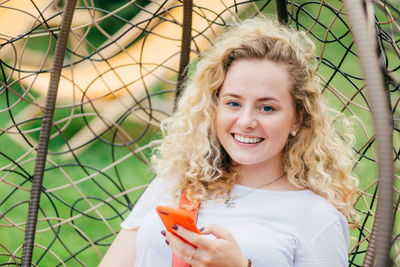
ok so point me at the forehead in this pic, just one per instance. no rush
(257, 77)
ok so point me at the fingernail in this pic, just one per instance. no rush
(163, 232)
(202, 229)
(175, 227)
(166, 241)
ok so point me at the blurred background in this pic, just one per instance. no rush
(119, 81)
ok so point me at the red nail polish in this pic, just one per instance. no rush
(202, 229)
(166, 241)
(163, 232)
(175, 227)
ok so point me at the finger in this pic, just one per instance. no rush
(174, 241)
(180, 248)
(189, 236)
(218, 231)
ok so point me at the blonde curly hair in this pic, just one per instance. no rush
(316, 158)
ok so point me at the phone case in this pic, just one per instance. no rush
(171, 216)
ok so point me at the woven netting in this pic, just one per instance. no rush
(119, 81)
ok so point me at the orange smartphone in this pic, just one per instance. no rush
(171, 216)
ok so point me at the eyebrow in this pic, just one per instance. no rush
(258, 99)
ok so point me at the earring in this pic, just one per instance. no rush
(293, 133)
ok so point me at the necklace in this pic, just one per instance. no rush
(230, 202)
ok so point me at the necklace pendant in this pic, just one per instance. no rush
(230, 202)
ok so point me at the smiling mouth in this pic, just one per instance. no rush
(247, 140)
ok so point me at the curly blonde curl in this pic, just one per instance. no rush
(316, 158)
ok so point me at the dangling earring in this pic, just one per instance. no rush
(293, 133)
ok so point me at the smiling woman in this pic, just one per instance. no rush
(252, 144)
(253, 124)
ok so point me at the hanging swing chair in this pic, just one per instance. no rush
(85, 84)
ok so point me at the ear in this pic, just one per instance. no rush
(298, 120)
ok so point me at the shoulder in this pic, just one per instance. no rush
(303, 211)
(317, 212)
(159, 190)
(157, 193)
(318, 205)
(161, 184)
(318, 218)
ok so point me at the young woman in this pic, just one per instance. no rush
(251, 141)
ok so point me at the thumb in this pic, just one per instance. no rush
(218, 231)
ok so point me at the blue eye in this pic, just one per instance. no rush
(267, 108)
(233, 104)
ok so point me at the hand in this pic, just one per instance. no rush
(222, 251)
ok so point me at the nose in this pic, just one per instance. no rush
(247, 119)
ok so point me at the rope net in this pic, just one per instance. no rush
(119, 81)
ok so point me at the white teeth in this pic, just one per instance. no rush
(247, 140)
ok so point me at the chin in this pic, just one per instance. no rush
(239, 161)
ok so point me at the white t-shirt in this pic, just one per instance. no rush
(292, 228)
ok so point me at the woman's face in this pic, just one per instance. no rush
(256, 112)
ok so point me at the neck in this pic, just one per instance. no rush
(255, 176)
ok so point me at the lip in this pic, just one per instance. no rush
(248, 136)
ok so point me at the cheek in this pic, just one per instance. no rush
(221, 120)
(223, 127)
(221, 131)
(277, 130)
(218, 124)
